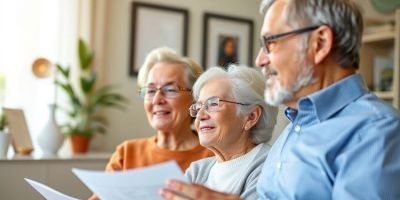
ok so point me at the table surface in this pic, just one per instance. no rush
(68, 157)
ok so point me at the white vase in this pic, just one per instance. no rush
(50, 138)
(4, 144)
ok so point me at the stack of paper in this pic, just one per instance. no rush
(140, 184)
(47, 192)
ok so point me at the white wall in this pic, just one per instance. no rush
(113, 23)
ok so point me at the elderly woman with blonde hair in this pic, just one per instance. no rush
(165, 82)
(234, 122)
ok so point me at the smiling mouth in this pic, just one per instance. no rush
(158, 113)
(206, 128)
(268, 72)
(271, 73)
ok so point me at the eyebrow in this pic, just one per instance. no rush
(167, 83)
(198, 101)
(268, 33)
(294, 31)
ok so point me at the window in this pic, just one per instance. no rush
(29, 30)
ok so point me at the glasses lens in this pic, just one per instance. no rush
(212, 104)
(142, 92)
(194, 109)
(170, 91)
(147, 92)
(264, 45)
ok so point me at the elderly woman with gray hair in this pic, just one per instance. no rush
(232, 120)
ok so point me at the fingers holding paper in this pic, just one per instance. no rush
(177, 190)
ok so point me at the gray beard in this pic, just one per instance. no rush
(281, 94)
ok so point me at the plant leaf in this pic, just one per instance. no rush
(85, 56)
(64, 71)
(88, 82)
(106, 98)
(86, 100)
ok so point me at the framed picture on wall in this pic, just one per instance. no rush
(227, 40)
(155, 26)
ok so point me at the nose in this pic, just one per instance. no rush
(262, 59)
(202, 113)
(158, 97)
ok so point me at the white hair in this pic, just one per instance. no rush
(247, 86)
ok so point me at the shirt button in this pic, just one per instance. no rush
(279, 165)
(297, 128)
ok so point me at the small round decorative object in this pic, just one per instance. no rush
(386, 6)
(41, 68)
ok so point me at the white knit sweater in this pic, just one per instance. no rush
(238, 176)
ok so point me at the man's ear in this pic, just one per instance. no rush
(322, 43)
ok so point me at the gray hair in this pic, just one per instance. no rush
(167, 55)
(248, 85)
(342, 16)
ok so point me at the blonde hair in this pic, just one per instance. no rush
(167, 55)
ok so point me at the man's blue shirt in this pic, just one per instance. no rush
(342, 143)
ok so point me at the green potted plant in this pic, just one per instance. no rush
(86, 101)
(3, 122)
(4, 136)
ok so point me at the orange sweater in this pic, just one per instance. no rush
(144, 152)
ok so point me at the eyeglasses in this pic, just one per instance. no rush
(168, 91)
(266, 41)
(211, 104)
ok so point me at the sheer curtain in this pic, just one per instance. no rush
(31, 29)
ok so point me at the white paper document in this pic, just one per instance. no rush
(140, 183)
(47, 192)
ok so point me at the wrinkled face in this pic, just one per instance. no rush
(285, 66)
(166, 114)
(221, 128)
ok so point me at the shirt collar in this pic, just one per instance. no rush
(328, 101)
(291, 113)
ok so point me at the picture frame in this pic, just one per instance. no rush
(21, 140)
(383, 73)
(221, 33)
(155, 26)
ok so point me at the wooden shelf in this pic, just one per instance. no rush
(383, 41)
(378, 36)
(385, 95)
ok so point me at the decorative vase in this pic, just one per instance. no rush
(50, 138)
(80, 144)
(4, 144)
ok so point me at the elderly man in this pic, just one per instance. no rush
(342, 142)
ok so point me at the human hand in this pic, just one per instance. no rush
(178, 190)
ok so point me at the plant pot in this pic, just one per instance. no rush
(80, 144)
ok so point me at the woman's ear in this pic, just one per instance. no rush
(253, 117)
(322, 43)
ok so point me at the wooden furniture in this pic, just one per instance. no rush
(382, 42)
(54, 172)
